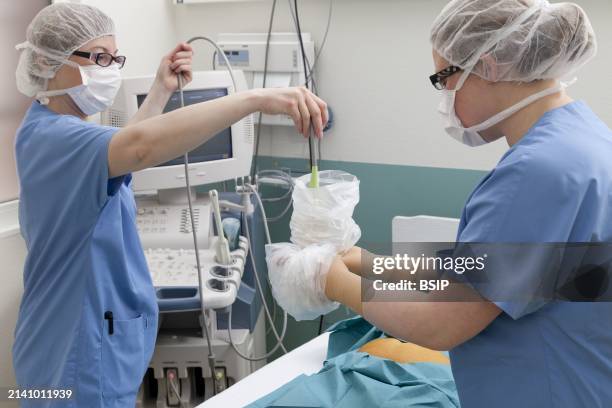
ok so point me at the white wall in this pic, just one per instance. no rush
(373, 71)
(14, 18)
(12, 253)
(145, 30)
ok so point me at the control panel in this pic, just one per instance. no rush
(178, 267)
(167, 240)
(169, 226)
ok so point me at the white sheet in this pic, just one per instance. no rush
(306, 359)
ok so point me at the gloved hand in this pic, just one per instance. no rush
(298, 278)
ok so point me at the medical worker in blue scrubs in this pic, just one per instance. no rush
(88, 318)
(501, 67)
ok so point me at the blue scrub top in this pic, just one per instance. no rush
(84, 259)
(555, 185)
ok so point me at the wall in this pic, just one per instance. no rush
(145, 31)
(12, 253)
(14, 18)
(373, 72)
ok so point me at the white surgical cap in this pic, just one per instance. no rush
(54, 34)
(514, 40)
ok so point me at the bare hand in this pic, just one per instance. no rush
(178, 61)
(304, 107)
(336, 279)
(352, 259)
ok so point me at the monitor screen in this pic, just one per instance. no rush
(217, 148)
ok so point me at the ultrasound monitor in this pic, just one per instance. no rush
(225, 156)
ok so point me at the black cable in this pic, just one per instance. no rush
(323, 41)
(311, 68)
(263, 85)
(299, 34)
(311, 148)
(311, 79)
(310, 76)
(308, 68)
(321, 324)
(306, 76)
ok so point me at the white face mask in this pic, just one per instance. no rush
(96, 93)
(471, 136)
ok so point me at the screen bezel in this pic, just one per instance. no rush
(172, 177)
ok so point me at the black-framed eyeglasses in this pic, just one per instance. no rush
(439, 80)
(103, 59)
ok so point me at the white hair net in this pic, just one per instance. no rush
(514, 40)
(54, 34)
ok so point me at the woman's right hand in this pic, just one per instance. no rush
(299, 103)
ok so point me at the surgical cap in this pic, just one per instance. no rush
(514, 40)
(54, 34)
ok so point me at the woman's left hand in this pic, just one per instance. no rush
(353, 259)
(178, 61)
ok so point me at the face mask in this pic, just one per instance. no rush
(96, 93)
(471, 136)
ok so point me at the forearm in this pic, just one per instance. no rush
(428, 323)
(420, 317)
(153, 105)
(344, 287)
(161, 138)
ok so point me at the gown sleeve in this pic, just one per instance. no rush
(528, 200)
(68, 168)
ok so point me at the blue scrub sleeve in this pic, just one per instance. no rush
(521, 199)
(80, 153)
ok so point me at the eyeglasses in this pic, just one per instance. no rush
(103, 59)
(439, 80)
